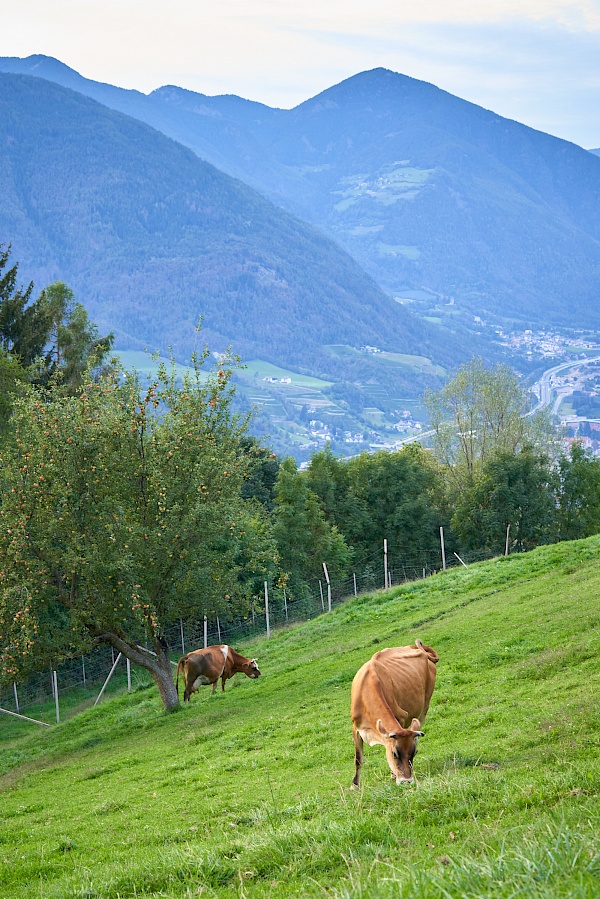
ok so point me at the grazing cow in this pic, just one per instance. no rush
(206, 666)
(390, 698)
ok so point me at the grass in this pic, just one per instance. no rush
(258, 369)
(247, 793)
(143, 363)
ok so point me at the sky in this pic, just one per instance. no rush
(536, 61)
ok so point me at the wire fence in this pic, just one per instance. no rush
(276, 609)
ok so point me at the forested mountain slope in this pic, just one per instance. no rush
(151, 238)
(447, 205)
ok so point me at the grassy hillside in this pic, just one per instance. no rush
(246, 794)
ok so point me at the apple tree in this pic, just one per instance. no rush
(122, 511)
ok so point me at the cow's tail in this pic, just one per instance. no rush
(430, 652)
(180, 667)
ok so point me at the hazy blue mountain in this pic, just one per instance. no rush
(447, 205)
(150, 238)
(218, 129)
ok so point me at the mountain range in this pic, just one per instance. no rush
(456, 212)
(151, 238)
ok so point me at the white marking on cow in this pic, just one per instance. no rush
(368, 737)
(225, 651)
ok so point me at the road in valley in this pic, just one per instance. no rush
(543, 388)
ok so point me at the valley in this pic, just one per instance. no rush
(378, 236)
(298, 414)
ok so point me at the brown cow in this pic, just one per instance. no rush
(390, 698)
(206, 666)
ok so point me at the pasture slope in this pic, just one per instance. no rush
(246, 794)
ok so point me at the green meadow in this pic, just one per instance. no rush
(247, 793)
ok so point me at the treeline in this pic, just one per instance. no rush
(340, 511)
(128, 505)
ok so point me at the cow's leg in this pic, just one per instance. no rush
(223, 679)
(214, 686)
(358, 755)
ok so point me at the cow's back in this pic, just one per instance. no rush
(204, 663)
(406, 675)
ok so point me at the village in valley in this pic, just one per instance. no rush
(565, 379)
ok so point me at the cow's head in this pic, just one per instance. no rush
(400, 749)
(251, 668)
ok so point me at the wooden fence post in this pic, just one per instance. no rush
(355, 590)
(460, 560)
(321, 591)
(443, 549)
(56, 698)
(205, 632)
(385, 565)
(507, 534)
(328, 587)
(182, 640)
(110, 674)
(128, 676)
(285, 605)
(25, 718)
(267, 610)
(16, 697)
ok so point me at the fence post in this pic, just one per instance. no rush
(443, 549)
(267, 610)
(507, 533)
(56, 698)
(16, 697)
(285, 605)
(25, 718)
(83, 668)
(354, 579)
(205, 632)
(110, 674)
(182, 640)
(218, 629)
(328, 587)
(321, 591)
(460, 560)
(128, 676)
(385, 565)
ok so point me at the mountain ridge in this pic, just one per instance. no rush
(456, 211)
(151, 238)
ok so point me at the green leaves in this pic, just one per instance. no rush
(123, 510)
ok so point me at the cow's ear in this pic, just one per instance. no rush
(415, 726)
(381, 728)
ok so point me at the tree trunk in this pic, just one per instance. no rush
(166, 687)
(162, 673)
(157, 662)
